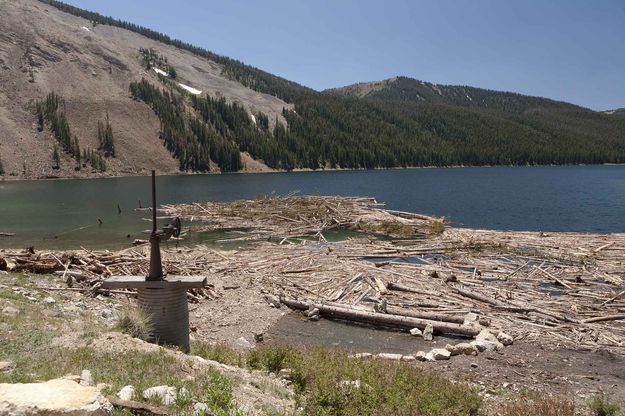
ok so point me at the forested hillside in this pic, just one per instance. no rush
(392, 123)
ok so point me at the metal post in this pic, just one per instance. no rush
(156, 267)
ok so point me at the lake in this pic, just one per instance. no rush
(64, 213)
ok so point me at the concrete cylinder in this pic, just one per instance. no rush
(168, 312)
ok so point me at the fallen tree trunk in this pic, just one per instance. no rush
(603, 318)
(394, 310)
(381, 319)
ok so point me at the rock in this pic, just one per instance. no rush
(166, 394)
(389, 356)
(313, 312)
(486, 335)
(360, 355)
(473, 365)
(49, 300)
(6, 365)
(420, 356)
(504, 338)
(259, 337)
(408, 358)
(202, 409)
(54, 397)
(416, 332)
(286, 374)
(355, 384)
(273, 301)
(428, 332)
(487, 346)
(126, 393)
(461, 348)
(106, 313)
(10, 311)
(429, 356)
(470, 318)
(243, 344)
(85, 378)
(440, 354)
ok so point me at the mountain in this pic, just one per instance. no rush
(616, 112)
(87, 95)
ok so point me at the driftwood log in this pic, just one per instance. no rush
(380, 319)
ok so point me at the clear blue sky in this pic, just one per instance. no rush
(571, 50)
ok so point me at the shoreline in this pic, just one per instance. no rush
(7, 178)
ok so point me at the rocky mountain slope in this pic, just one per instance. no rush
(153, 89)
(43, 49)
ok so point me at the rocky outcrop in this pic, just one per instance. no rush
(58, 397)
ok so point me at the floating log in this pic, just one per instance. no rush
(381, 319)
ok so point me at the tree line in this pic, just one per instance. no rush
(50, 113)
(407, 125)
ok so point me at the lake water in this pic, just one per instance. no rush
(64, 213)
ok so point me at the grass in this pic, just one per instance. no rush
(134, 322)
(602, 406)
(323, 380)
(26, 340)
(436, 228)
(391, 228)
(543, 406)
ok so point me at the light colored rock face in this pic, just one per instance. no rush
(126, 393)
(166, 394)
(428, 332)
(243, 344)
(55, 397)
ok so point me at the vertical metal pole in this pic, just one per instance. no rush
(156, 267)
(153, 202)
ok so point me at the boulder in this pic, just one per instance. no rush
(126, 393)
(389, 356)
(202, 409)
(428, 332)
(166, 394)
(10, 311)
(360, 355)
(55, 397)
(504, 338)
(429, 356)
(416, 332)
(420, 356)
(461, 348)
(49, 300)
(6, 365)
(486, 335)
(408, 358)
(243, 344)
(487, 346)
(440, 354)
(86, 379)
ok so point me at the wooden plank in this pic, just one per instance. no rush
(139, 282)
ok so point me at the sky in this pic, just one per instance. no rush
(570, 50)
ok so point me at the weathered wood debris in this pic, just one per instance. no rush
(552, 289)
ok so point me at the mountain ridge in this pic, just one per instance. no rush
(194, 110)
